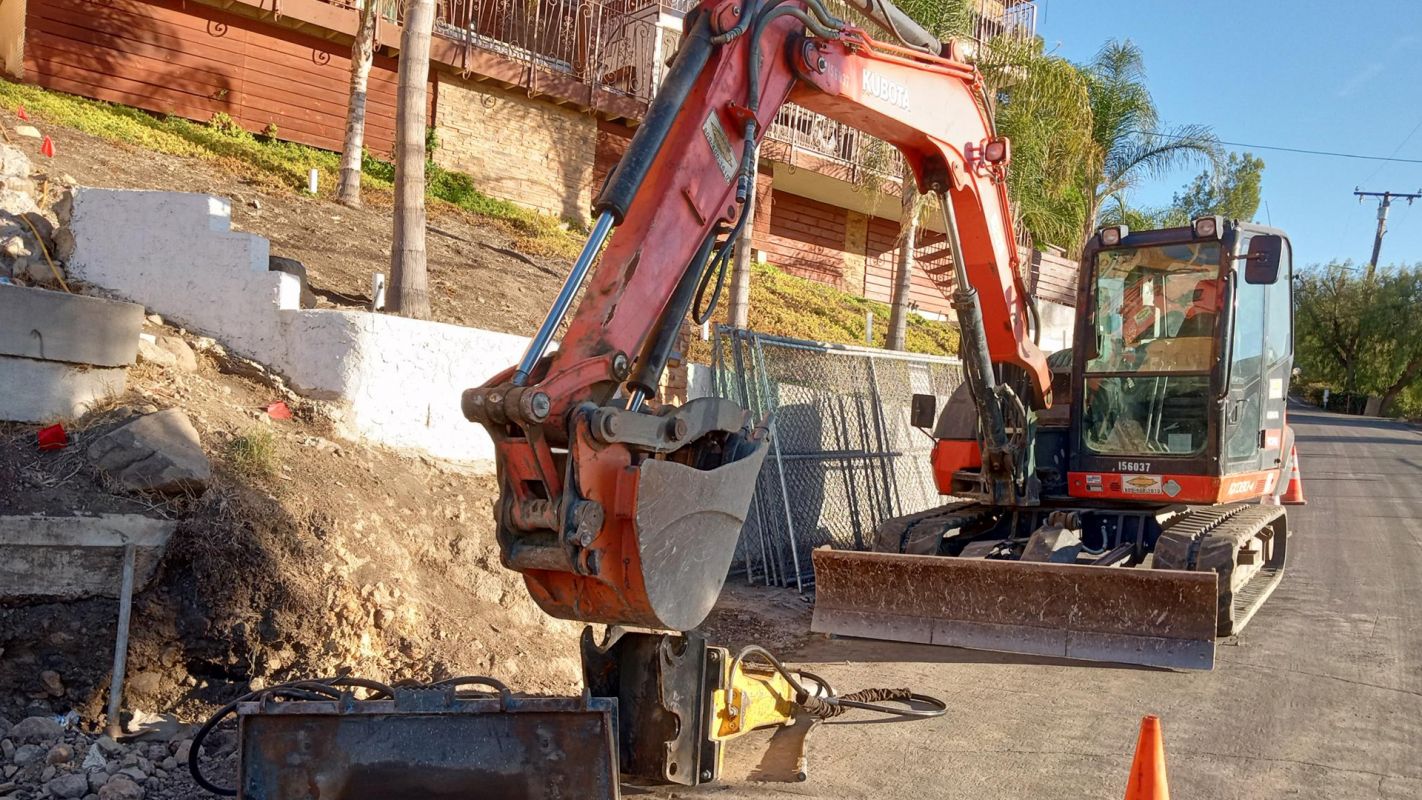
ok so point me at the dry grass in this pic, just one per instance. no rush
(253, 454)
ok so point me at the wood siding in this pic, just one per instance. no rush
(194, 61)
(1054, 278)
(805, 237)
(882, 260)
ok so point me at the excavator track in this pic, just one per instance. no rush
(1245, 545)
(922, 533)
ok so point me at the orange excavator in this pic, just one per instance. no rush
(1114, 528)
(620, 508)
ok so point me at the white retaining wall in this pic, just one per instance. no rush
(398, 379)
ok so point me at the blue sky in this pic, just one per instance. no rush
(1343, 77)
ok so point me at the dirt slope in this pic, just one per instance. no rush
(478, 275)
(312, 557)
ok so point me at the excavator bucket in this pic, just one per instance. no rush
(1154, 617)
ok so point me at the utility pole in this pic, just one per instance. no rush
(1383, 205)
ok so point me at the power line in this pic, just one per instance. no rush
(1396, 150)
(1302, 150)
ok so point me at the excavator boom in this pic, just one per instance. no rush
(618, 508)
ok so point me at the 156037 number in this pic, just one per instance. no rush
(1133, 466)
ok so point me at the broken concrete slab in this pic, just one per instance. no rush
(150, 353)
(55, 326)
(158, 452)
(183, 356)
(72, 557)
(46, 391)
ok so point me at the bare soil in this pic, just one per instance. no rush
(482, 272)
(323, 557)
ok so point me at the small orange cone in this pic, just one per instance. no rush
(20, 112)
(1293, 495)
(1148, 768)
(47, 148)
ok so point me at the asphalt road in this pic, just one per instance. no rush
(1321, 696)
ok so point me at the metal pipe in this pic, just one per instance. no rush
(574, 282)
(901, 26)
(114, 728)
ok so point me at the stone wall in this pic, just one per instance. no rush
(517, 148)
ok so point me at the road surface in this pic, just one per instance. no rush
(1320, 697)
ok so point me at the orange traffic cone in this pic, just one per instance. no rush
(1148, 768)
(1293, 494)
(47, 147)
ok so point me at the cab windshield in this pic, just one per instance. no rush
(1156, 308)
(1154, 318)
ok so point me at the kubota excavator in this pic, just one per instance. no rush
(621, 509)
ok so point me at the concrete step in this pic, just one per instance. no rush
(74, 557)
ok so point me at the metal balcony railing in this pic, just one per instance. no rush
(619, 47)
(859, 155)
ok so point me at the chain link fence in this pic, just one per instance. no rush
(843, 456)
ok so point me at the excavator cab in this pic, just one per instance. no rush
(1186, 352)
(1147, 540)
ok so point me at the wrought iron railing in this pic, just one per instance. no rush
(616, 47)
(860, 156)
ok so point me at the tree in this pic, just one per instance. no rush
(1231, 191)
(1359, 331)
(943, 19)
(408, 277)
(910, 204)
(1043, 108)
(352, 148)
(1129, 140)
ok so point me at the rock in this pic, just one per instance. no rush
(108, 746)
(13, 162)
(154, 319)
(149, 352)
(72, 785)
(184, 748)
(183, 356)
(15, 247)
(157, 452)
(60, 754)
(145, 684)
(52, 683)
(97, 778)
(120, 787)
(28, 131)
(7, 749)
(134, 773)
(94, 759)
(27, 754)
(5, 726)
(36, 729)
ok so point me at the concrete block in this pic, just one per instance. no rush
(158, 452)
(72, 557)
(46, 391)
(55, 326)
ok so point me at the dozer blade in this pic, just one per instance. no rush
(1155, 617)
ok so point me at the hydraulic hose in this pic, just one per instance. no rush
(826, 704)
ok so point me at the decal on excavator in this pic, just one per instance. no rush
(720, 144)
(889, 91)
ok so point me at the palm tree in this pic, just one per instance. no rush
(1042, 105)
(944, 19)
(1130, 143)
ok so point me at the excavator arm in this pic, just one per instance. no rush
(620, 510)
